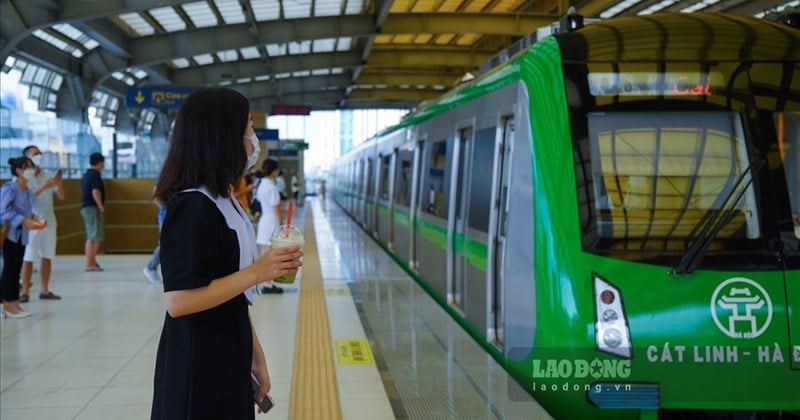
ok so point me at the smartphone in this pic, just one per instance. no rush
(267, 403)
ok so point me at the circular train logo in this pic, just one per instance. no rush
(741, 308)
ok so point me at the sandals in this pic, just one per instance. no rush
(49, 296)
(94, 268)
(23, 298)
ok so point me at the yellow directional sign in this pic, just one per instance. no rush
(354, 352)
(139, 97)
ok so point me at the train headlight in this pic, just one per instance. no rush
(611, 326)
(610, 315)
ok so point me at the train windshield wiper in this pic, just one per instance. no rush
(714, 222)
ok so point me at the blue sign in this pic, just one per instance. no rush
(266, 133)
(156, 96)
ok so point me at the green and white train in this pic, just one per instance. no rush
(614, 213)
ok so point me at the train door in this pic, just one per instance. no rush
(416, 183)
(498, 226)
(369, 196)
(457, 231)
(362, 207)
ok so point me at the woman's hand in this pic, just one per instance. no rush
(277, 262)
(259, 371)
(33, 224)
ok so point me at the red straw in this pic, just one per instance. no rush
(289, 218)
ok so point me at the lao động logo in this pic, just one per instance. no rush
(741, 308)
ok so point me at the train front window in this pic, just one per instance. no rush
(659, 176)
(787, 127)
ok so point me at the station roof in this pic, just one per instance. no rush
(326, 54)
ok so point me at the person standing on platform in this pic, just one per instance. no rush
(270, 200)
(151, 269)
(281, 184)
(41, 243)
(208, 349)
(93, 208)
(295, 187)
(16, 204)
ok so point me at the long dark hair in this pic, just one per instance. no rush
(207, 147)
(21, 162)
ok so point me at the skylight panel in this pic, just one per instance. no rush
(320, 72)
(137, 23)
(117, 75)
(168, 18)
(58, 43)
(337, 70)
(327, 7)
(228, 55)
(344, 44)
(658, 6)
(323, 45)
(282, 75)
(262, 78)
(203, 59)
(302, 73)
(265, 9)
(619, 8)
(225, 83)
(294, 10)
(231, 11)
(138, 73)
(698, 6)
(302, 47)
(276, 49)
(55, 84)
(354, 7)
(76, 35)
(200, 13)
(180, 63)
(10, 61)
(244, 80)
(250, 53)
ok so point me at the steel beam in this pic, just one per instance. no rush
(293, 85)
(516, 24)
(427, 57)
(317, 100)
(593, 8)
(396, 94)
(395, 78)
(215, 73)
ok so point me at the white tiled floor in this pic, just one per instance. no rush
(92, 354)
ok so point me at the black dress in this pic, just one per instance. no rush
(203, 361)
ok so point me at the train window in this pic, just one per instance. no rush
(480, 189)
(403, 177)
(385, 181)
(657, 175)
(370, 179)
(787, 125)
(433, 196)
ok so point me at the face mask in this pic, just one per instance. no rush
(37, 160)
(28, 173)
(253, 157)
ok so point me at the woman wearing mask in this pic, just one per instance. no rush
(16, 202)
(208, 349)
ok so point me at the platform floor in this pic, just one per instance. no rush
(92, 354)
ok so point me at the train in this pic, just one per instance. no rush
(613, 213)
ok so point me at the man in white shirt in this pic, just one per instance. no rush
(41, 243)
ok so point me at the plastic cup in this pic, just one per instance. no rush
(280, 239)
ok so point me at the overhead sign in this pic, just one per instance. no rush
(156, 96)
(290, 110)
(266, 133)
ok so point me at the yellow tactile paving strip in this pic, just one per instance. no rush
(315, 395)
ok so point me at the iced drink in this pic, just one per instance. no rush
(280, 239)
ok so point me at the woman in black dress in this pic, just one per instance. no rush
(208, 348)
